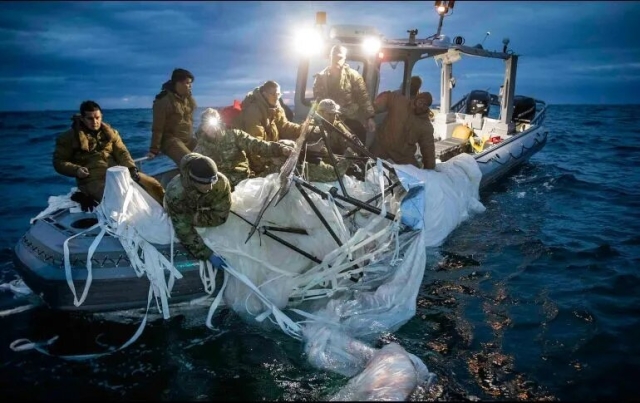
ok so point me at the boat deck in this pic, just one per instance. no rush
(450, 147)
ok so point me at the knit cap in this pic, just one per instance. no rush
(203, 170)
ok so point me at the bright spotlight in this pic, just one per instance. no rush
(443, 7)
(371, 46)
(308, 42)
(213, 121)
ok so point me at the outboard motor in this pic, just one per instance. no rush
(478, 101)
(524, 109)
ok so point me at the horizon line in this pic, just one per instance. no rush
(216, 107)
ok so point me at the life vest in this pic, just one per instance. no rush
(228, 113)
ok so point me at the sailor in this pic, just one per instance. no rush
(330, 118)
(263, 118)
(345, 85)
(173, 110)
(414, 87)
(231, 147)
(88, 148)
(199, 196)
(406, 124)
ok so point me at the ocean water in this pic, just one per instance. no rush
(537, 298)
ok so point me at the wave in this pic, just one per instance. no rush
(593, 123)
(57, 127)
(24, 126)
(568, 179)
(143, 123)
(30, 210)
(40, 139)
(584, 259)
(601, 252)
(634, 240)
(627, 149)
(603, 188)
(10, 178)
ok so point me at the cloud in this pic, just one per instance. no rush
(33, 80)
(57, 53)
(620, 67)
(178, 20)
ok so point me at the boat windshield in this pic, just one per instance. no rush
(391, 75)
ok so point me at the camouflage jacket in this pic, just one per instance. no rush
(401, 130)
(351, 93)
(336, 142)
(265, 123)
(172, 117)
(77, 148)
(189, 208)
(230, 150)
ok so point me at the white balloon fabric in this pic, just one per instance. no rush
(359, 275)
(332, 311)
(135, 206)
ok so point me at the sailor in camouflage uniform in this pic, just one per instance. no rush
(232, 148)
(329, 113)
(199, 196)
(319, 163)
(347, 88)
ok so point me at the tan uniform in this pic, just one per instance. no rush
(264, 122)
(172, 124)
(77, 148)
(401, 130)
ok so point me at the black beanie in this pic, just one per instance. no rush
(203, 170)
(181, 75)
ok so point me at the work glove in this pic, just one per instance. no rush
(87, 203)
(133, 171)
(314, 133)
(217, 261)
(288, 143)
(285, 151)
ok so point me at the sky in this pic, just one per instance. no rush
(57, 54)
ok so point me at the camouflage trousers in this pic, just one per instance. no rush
(95, 189)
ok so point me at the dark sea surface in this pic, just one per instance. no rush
(536, 298)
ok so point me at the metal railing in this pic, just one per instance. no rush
(460, 105)
(139, 161)
(539, 118)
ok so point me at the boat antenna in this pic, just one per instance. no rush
(443, 8)
(485, 38)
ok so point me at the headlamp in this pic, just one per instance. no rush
(213, 121)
